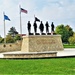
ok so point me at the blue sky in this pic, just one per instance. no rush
(57, 11)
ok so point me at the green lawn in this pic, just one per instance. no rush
(55, 66)
(68, 46)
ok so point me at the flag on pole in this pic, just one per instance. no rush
(23, 10)
(36, 19)
(6, 17)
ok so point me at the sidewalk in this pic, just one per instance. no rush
(66, 52)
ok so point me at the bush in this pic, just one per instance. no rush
(72, 39)
(1, 40)
(9, 39)
(17, 37)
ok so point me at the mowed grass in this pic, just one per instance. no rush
(69, 46)
(55, 66)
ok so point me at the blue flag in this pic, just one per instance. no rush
(6, 17)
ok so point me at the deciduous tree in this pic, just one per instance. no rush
(9, 39)
(72, 39)
(64, 31)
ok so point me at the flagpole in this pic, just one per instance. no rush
(4, 31)
(34, 17)
(20, 21)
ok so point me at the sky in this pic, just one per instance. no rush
(57, 11)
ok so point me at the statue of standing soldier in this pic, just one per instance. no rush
(47, 27)
(41, 27)
(29, 27)
(35, 27)
(52, 28)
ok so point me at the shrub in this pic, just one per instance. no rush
(9, 39)
(72, 39)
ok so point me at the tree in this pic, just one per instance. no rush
(72, 39)
(9, 39)
(17, 37)
(64, 31)
(69, 29)
(12, 32)
(1, 40)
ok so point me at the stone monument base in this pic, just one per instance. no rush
(38, 46)
(31, 55)
(41, 43)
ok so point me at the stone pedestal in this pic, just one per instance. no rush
(42, 43)
(31, 55)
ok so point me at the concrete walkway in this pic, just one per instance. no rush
(66, 52)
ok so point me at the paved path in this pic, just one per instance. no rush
(66, 52)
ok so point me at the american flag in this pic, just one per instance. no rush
(24, 11)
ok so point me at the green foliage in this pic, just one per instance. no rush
(64, 31)
(63, 66)
(12, 31)
(17, 37)
(69, 45)
(72, 39)
(1, 40)
(12, 35)
(9, 39)
(69, 29)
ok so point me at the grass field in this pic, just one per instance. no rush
(68, 46)
(55, 66)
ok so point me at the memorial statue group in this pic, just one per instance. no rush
(41, 27)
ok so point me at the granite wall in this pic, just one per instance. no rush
(10, 47)
(41, 43)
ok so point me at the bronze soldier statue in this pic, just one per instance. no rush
(41, 27)
(29, 27)
(52, 27)
(47, 27)
(35, 27)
